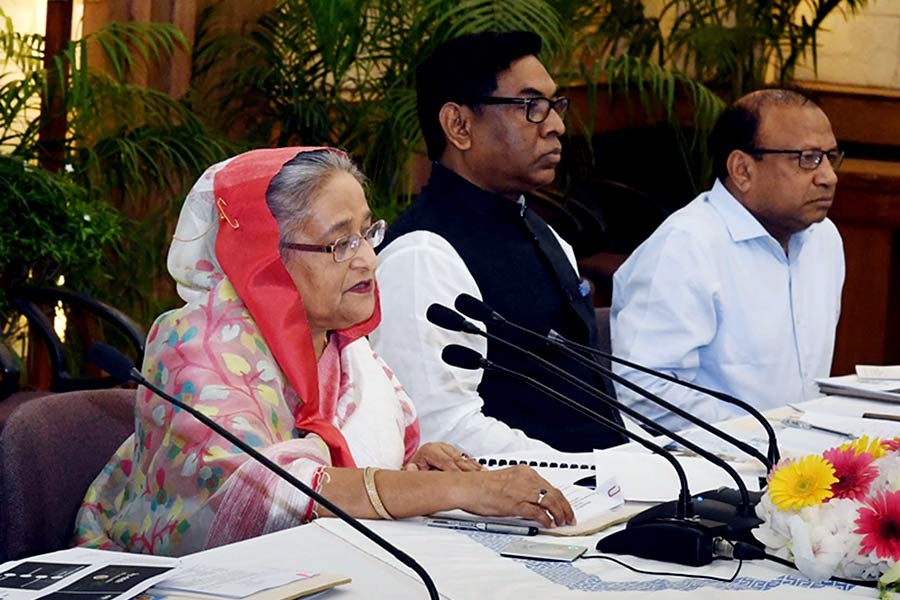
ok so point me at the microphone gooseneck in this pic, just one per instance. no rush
(597, 368)
(113, 362)
(478, 310)
(600, 395)
(774, 455)
(466, 358)
(739, 519)
(683, 539)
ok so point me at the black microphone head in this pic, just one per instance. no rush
(447, 318)
(462, 357)
(112, 361)
(476, 309)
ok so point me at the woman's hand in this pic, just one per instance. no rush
(437, 456)
(516, 491)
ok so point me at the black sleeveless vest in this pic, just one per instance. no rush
(517, 279)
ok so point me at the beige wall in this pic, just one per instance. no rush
(30, 16)
(27, 16)
(861, 49)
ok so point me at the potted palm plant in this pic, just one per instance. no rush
(124, 144)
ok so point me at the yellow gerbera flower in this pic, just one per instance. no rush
(863, 444)
(804, 482)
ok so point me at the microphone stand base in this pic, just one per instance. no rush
(737, 526)
(729, 496)
(684, 541)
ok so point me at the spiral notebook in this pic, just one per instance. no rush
(541, 459)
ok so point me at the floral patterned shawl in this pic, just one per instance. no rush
(240, 351)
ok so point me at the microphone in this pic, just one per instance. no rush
(466, 358)
(742, 517)
(684, 539)
(478, 310)
(113, 362)
(445, 318)
(774, 454)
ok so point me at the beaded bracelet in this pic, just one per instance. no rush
(321, 478)
(372, 491)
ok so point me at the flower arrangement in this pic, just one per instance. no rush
(837, 514)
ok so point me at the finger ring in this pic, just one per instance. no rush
(541, 495)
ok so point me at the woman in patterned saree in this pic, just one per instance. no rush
(273, 254)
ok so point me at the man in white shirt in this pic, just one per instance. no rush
(740, 290)
(492, 121)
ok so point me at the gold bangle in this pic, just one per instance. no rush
(372, 491)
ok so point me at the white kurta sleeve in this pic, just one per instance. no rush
(416, 270)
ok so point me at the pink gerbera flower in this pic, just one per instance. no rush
(855, 472)
(879, 524)
(891, 445)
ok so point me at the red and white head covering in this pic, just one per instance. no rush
(226, 228)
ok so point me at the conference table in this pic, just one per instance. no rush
(467, 564)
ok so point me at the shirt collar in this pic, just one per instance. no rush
(741, 224)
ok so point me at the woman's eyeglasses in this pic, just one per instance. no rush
(346, 247)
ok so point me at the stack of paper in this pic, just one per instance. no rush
(647, 477)
(207, 582)
(82, 573)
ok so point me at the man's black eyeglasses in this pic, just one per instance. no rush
(537, 109)
(807, 159)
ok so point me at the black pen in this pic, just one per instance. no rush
(485, 526)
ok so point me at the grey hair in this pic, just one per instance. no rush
(290, 193)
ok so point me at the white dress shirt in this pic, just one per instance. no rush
(713, 299)
(414, 271)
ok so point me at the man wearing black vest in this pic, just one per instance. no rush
(492, 121)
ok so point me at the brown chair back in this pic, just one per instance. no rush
(51, 449)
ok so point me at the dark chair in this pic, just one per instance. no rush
(88, 320)
(11, 396)
(9, 371)
(9, 405)
(604, 220)
(51, 449)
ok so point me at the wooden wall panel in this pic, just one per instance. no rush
(867, 213)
